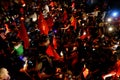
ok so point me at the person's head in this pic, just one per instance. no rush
(44, 40)
(4, 74)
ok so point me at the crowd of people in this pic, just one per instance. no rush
(57, 40)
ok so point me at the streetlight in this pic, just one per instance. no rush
(109, 19)
(110, 29)
(115, 14)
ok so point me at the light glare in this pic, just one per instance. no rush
(110, 29)
(115, 14)
(109, 19)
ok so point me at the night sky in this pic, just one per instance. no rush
(111, 3)
(114, 3)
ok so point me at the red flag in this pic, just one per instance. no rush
(73, 5)
(65, 16)
(54, 42)
(82, 37)
(21, 10)
(7, 29)
(23, 35)
(50, 23)
(51, 52)
(42, 25)
(73, 22)
(118, 68)
(86, 73)
(52, 4)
